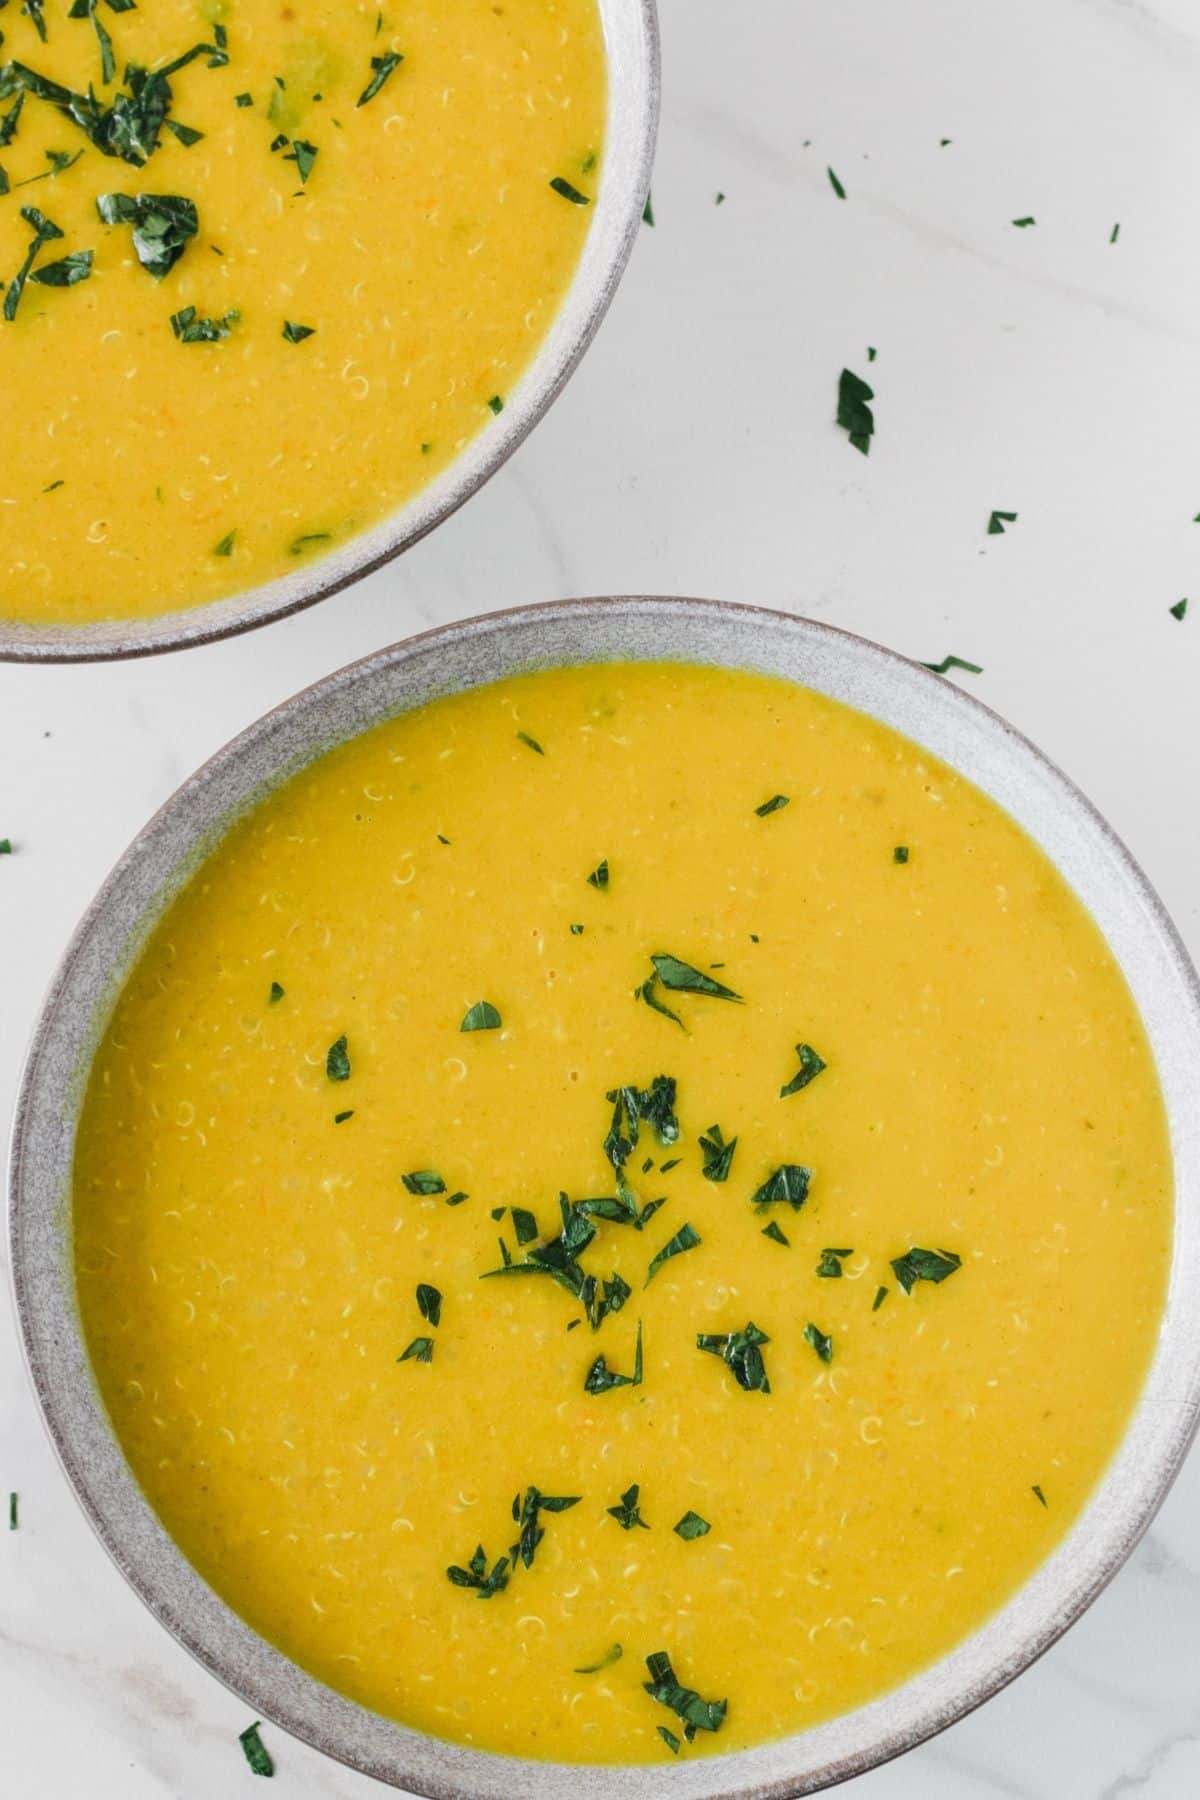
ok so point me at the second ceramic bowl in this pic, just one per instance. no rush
(631, 46)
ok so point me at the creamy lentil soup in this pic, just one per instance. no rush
(622, 1213)
(257, 297)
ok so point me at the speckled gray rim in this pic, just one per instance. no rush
(631, 42)
(456, 657)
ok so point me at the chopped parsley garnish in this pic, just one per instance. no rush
(337, 1060)
(243, 100)
(627, 1514)
(525, 1511)
(646, 992)
(33, 11)
(600, 1379)
(524, 1224)
(881, 1294)
(530, 743)
(13, 1520)
(822, 1344)
(131, 127)
(654, 1105)
(163, 226)
(1021, 224)
(191, 328)
(1179, 610)
(481, 1017)
(697, 1714)
(648, 210)
(692, 1526)
(59, 160)
(998, 520)
(296, 334)
(496, 403)
(568, 192)
(44, 232)
(789, 1184)
(11, 119)
(1037, 1490)
(383, 66)
(424, 1181)
(599, 875)
(225, 547)
(854, 415)
(306, 540)
(611, 1655)
(456, 1199)
(559, 1259)
(340, 1118)
(741, 1350)
(773, 1232)
(686, 1238)
(681, 978)
(718, 1155)
(953, 662)
(900, 853)
(774, 804)
(924, 1265)
(275, 994)
(255, 1751)
(672, 1163)
(830, 1265)
(810, 1067)
(304, 155)
(577, 931)
(621, 1210)
(478, 1576)
(836, 185)
(67, 272)
(429, 1303)
(1116, 232)
(420, 1350)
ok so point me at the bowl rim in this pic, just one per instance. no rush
(633, 55)
(1129, 1491)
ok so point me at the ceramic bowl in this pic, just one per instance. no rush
(631, 43)
(943, 719)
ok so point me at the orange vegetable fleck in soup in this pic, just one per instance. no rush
(628, 1203)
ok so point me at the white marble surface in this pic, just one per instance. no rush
(1045, 371)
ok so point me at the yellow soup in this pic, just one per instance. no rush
(278, 307)
(858, 1270)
